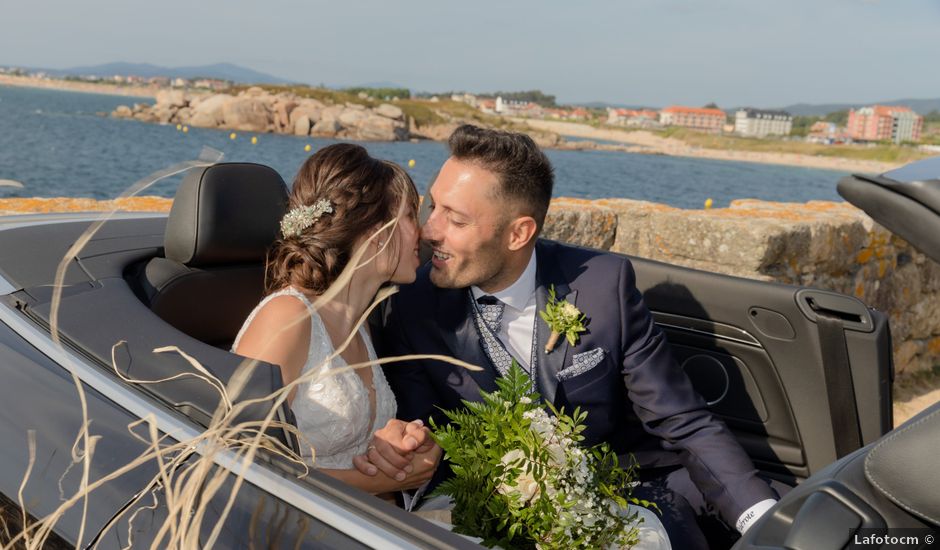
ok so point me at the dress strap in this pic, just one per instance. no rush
(286, 291)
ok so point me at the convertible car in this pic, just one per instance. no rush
(802, 376)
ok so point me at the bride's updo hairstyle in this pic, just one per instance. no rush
(363, 193)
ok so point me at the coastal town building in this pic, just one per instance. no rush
(469, 99)
(511, 107)
(487, 106)
(708, 120)
(884, 123)
(827, 133)
(761, 123)
(211, 84)
(639, 118)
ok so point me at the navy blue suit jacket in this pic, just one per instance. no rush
(637, 398)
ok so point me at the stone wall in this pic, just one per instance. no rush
(827, 245)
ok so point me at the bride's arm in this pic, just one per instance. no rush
(423, 465)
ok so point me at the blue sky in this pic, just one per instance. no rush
(653, 52)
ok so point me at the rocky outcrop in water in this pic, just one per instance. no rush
(255, 110)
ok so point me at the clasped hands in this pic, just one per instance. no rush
(403, 451)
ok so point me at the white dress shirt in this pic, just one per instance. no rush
(515, 329)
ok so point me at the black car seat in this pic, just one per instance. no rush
(223, 219)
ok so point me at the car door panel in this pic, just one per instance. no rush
(752, 348)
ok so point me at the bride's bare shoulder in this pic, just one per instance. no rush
(283, 321)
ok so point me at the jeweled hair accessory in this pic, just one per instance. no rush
(302, 217)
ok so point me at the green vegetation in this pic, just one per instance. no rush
(881, 152)
(325, 95)
(802, 124)
(841, 118)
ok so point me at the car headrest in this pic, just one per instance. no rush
(905, 200)
(226, 213)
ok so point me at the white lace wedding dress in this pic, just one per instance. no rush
(333, 410)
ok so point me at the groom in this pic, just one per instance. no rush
(478, 301)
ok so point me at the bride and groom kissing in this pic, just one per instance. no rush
(353, 228)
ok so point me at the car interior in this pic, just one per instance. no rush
(764, 355)
(187, 280)
(889, 487)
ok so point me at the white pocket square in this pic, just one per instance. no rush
(581, 363)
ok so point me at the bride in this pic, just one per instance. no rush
(342, 200)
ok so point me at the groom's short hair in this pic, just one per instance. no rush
(525, 174)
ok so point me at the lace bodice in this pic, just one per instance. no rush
(333, 409)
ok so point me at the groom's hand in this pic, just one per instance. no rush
(393, 447)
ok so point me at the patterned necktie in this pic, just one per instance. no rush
(491, 309)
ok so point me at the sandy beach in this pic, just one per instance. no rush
(77, 86)
(652, 143)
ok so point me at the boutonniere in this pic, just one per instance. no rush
(563, 318)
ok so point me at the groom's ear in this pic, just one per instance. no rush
(522, 231)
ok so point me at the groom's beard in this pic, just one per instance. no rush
(484, 268)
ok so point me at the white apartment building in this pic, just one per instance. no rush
(761, 123)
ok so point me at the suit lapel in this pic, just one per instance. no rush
(456, 327)
(549, 275)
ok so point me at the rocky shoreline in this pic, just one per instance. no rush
(255, 110)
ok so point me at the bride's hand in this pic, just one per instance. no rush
(423, 466)
(393, 449)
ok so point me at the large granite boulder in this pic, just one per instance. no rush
(390, 111)
(209, 113)
(247, 114)
(352, 117)
(162, 113)
(282, 111)
(171, 98)
(378, 128)
(327, 127)
(309, 108)
(302, 126)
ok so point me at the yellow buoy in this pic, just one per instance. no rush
(233, 135)
(307, 148)
(254, 140)
(185, 129)
(708, 203)
(411, 163)
(179, 127)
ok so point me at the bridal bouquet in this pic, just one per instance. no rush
(521, 479)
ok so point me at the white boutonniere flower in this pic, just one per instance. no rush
(563, 318)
